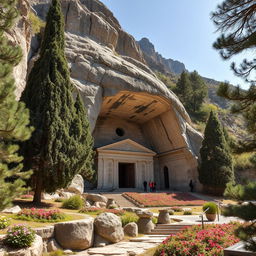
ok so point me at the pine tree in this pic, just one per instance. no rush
(191, 91)
(184, 89)
(14, 117)
(59, 147)
(236, 20)
(216, 167)
(199, 91)
(245, 211)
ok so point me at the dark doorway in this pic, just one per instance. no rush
(166, 177)
(126, 173)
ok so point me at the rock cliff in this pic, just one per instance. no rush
(104, 60)
(157, 62)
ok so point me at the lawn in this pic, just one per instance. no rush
(165, 199)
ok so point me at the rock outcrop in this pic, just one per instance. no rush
(104, 60)
(157, 62)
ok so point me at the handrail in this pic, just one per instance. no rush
(202, 216)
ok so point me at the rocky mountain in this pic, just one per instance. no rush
(104, 61)
(157, 62)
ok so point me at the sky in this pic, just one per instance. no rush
(179, 29)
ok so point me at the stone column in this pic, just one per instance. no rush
(115, 173)
(100, 172)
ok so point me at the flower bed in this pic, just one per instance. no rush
(197, 242)
(164, 199)
(97, 210)
(41, 215)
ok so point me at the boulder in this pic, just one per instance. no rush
(46, 196)
(13, 210)
(109, 226)
(102, 204)
(145, 225)
(36, 249)
(77, 185)
(75, 235)
(96, 198)
(131, 229)
(163, 217)
(65, 194)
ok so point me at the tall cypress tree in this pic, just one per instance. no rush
(14, 117)
(216, 167)
(58, 148)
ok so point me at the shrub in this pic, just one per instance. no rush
(40, 215)
(4, 222)
(194, 241)
(36, 23)
(187, 212)
(19, 236)
(177, 209)
(129, 217)
(171, 212)
(154, 220)
(212, 207)
(74, 202)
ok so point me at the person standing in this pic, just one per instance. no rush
(145, 185)
(191, 185)
(150, 186)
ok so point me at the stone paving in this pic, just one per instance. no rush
(135, 246)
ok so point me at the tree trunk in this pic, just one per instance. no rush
(38, 191)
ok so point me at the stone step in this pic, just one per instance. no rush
(169, 227)
(163, 232)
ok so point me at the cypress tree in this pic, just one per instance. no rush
(14, 117)
(216, 167)
(58, 147)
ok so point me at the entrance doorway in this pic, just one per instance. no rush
(126, 173)
(166, 178)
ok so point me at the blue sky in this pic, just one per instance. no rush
(179, 29)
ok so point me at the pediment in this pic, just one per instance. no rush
(127, 145)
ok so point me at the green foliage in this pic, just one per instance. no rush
(14, 117)
(245, 211)
(212, 207)
(191, 90)
(4, 222)
(244, 161)
(36, 23)
(216, 167)
(236, 21)
(19, 236)
(187, 212)
(61, 145)
(129, 217)
(170, 82)
(74, 202)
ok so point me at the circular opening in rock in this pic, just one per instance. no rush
(120, 132)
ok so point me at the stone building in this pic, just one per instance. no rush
(138, 137)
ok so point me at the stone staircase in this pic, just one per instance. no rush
(168, 229)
